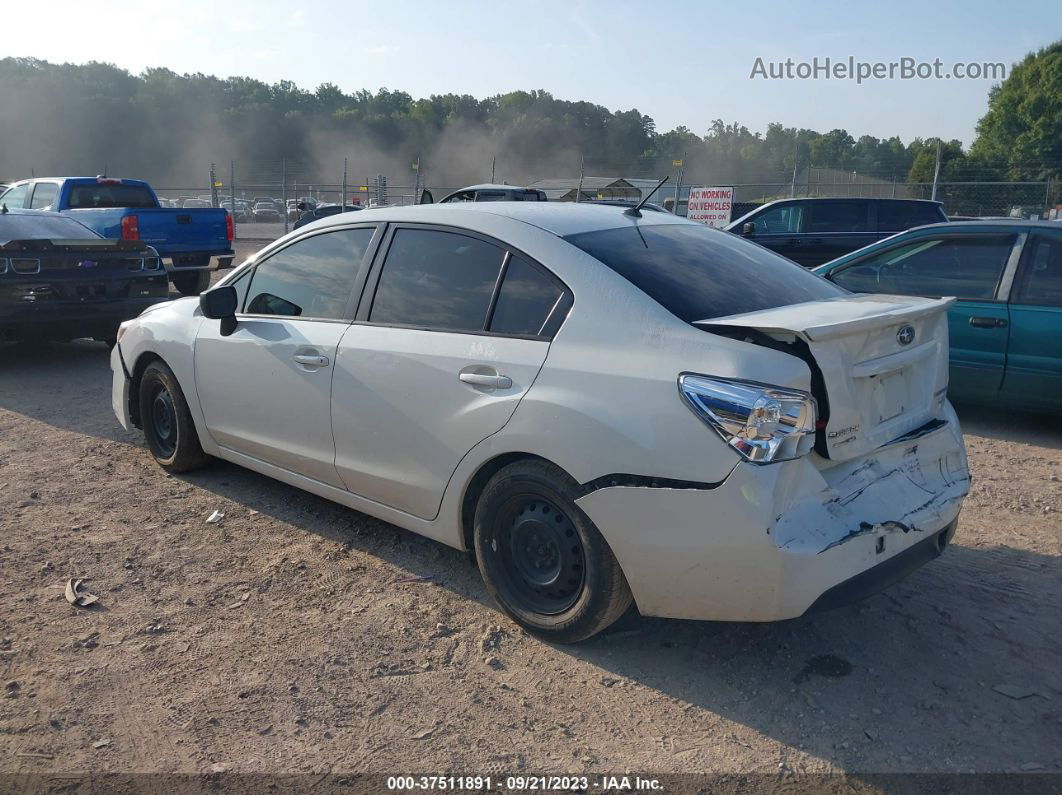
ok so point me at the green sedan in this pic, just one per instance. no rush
(1006, 327)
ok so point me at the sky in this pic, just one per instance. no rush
(683, 63)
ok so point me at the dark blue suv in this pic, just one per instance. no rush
(813, 231)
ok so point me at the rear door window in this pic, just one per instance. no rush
(43, 195)
(698, 273)
(311, 278)
(965, 267)
(838, 216)
(1041, 280)
(896, 216)
(526, 301)
(438, 280)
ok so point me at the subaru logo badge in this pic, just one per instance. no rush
(87, 263)
(905, 335)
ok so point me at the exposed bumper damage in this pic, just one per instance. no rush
(770, 541)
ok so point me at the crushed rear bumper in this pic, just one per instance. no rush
(772, 542)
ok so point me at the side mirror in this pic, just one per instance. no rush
(301, 207)
(748, 229)
(426, 197)
(220, 304)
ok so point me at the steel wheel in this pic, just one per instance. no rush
(541, 553)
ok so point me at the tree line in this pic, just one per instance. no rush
(67, 118)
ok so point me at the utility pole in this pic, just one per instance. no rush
(936, 174)
(343, 203)
(678, 183)
(493, 161)
(416, 181)
(213, 185)
(579, 190)
(232, 191)
(284, 191)
(792, 185)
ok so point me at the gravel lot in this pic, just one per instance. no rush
(299, 636)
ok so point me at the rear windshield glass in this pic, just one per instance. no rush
(698, 273)
(41, 227)
(110, 195)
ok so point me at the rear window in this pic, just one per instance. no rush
(838, 216)
(110, 195)
(42, 227)
(896, 216)
(698, 273)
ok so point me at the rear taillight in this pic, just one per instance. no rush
(130, 228)
(763, 423)
(228, 226)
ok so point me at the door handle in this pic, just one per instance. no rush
(489, 381)
(311, 359)
(988, 322)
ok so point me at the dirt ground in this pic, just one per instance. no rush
(299, 636)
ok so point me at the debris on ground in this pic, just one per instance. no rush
(78, 597)
(102, 743)
(215, 518)
(416, 578)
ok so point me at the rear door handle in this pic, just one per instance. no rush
(988, 322)
(311, 359)
(489, 381)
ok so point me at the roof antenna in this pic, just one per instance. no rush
(636, 211)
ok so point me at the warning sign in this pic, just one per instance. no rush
(711, 206)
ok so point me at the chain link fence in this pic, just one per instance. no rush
(265, 198)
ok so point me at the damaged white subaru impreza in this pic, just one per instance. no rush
(606, 407)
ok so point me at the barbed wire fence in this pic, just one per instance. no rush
(264, 196)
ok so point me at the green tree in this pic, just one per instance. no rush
(1022, 130)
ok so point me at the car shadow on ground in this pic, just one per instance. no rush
(973, 620)
(1005, 424)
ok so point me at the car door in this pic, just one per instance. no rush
(777, 227)
(969, 266)
(446, 344)
(833, 228)
(1034, 354)
(265, 389)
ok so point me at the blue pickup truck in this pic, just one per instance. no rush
(192, 242)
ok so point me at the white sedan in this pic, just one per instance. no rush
(605, 406)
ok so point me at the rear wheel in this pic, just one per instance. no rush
(541, 557)
(167, 422)
(191, 282)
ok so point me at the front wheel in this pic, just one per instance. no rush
(542, 559)
(168, 427)
(191, 282)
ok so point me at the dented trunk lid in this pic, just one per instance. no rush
(883, 360)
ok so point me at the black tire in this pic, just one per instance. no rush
(542, 559)
(191, 282)
(168, 427)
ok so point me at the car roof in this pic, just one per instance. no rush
(491, 186)
(992, 223)
(560, 218)
(848, 199)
